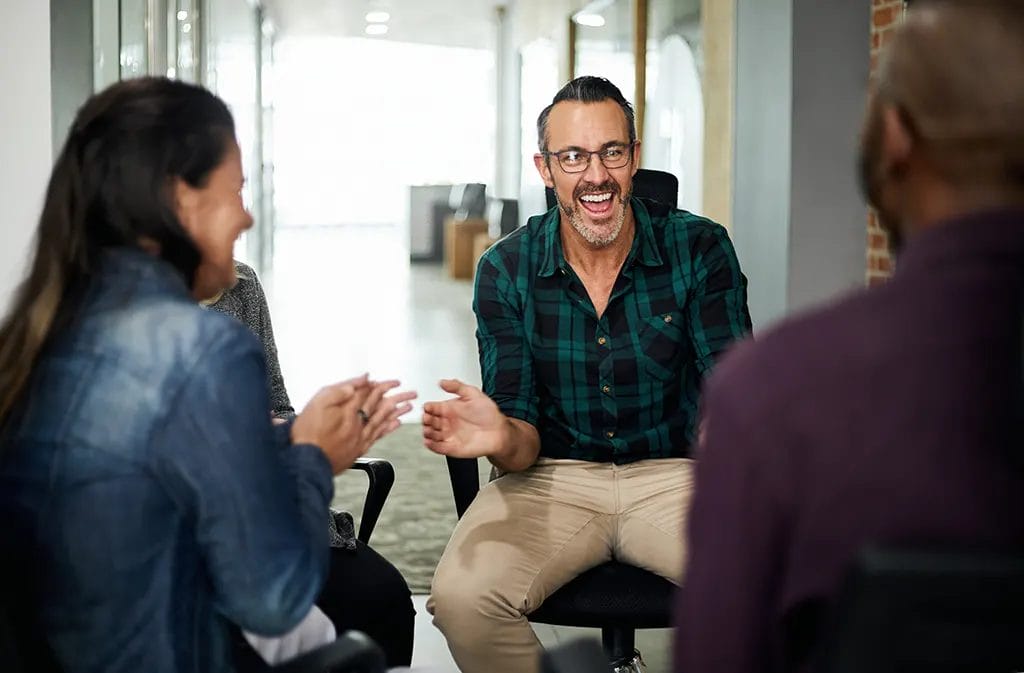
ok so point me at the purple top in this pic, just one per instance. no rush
(885, 418)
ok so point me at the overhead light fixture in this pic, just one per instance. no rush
(376, 29)
(182, 15)
(377, 17)
(186, 28)
(588, 19)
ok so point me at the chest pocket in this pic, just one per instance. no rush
(663, 344)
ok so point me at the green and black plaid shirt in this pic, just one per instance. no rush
(625, 386)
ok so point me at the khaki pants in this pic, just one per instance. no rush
(528, 533)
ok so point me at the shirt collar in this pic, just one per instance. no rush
(644, 251)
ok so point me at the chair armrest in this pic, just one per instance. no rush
(352, 652)
(465, 481)
(381, 475)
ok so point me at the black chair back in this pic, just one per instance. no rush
(647, 184)
(924, 612)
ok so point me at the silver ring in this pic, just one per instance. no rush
(363, 416)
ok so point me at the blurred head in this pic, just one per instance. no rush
(149, 163)
(944, 132)
(588, 155)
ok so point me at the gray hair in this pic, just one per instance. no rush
(586, 89)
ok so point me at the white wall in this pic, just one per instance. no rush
(25, 145)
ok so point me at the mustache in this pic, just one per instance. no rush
(606, 186)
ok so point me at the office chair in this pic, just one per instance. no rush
(616, 597)
(923, 611)
(928, 612)
(381, 476)
(351, 652)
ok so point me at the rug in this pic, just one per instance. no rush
(419, 515)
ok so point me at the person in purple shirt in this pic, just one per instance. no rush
(888, 417)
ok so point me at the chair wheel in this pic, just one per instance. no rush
(632, 664)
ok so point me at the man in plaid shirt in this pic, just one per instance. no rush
(597, 323)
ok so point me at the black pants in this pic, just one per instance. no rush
(366, 593)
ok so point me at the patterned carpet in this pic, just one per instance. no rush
(419, 515)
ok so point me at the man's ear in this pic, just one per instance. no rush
(544, 168)
(897, 141)
(636, 156)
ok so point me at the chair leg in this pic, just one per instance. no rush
(619, 643)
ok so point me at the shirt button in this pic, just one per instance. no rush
(668, 318)
(606, 389)
(561, 271)
(602, 340)
(609, 434)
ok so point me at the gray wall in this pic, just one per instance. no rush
(831, 62)
(71, 58)
(761, 175)
(798, 221)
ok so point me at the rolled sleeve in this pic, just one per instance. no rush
(506, 358)
(717, 306)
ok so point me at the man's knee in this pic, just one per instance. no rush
(461, 596)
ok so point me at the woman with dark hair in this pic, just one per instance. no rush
(379, 602)
(148, 502)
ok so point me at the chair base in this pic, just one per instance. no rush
(618, 643)
(634, 663)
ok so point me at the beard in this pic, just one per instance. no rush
(574, 213)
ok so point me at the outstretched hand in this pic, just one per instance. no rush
(468, 426)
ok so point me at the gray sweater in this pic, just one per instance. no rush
(247, 303)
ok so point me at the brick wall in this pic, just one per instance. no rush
(885, 15)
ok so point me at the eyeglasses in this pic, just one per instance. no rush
(577, 161)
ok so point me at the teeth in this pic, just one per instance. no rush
(595, 198)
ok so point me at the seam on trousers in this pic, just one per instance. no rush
(551, 557)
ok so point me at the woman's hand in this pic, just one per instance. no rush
(345, 419)
(383, 411)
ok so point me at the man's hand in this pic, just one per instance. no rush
(469, 426)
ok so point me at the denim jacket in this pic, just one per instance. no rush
(147, 501)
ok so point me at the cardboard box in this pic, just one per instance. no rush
(480, 244)
(459, 238)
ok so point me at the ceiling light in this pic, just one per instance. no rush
(592, 20)
(182, 15)
(376, 29)
(377, 17)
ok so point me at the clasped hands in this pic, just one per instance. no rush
(346, 418)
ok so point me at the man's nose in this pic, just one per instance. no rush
(596, 172)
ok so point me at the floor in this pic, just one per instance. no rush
(345, 300)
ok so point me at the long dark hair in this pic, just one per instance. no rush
(111, 186)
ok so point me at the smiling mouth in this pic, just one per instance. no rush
(597, 204)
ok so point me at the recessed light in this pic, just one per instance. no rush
(377, 17)
(376, 29)
(182, 15)
(591, 20)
